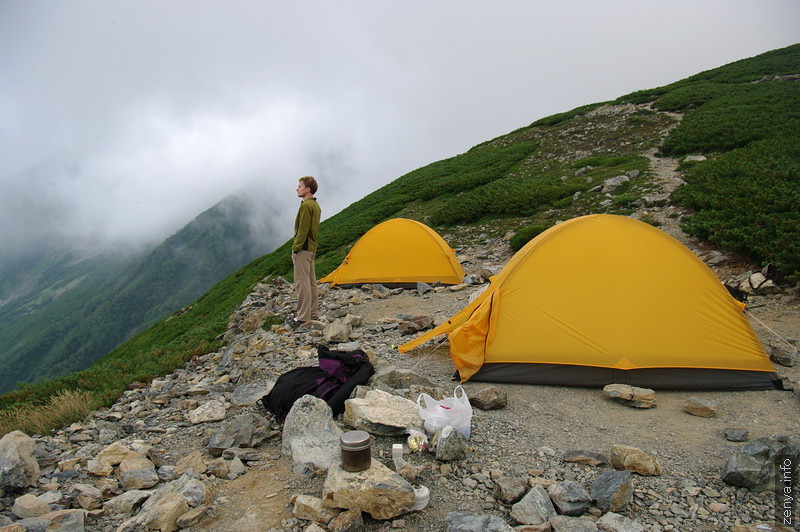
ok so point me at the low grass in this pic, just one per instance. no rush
(62, 409)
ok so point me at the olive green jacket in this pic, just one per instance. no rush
(306, 226)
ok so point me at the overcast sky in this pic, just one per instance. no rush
(121, 121)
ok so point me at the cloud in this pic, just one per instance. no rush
(121, 121)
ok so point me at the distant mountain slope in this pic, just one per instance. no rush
(81, 309)
(744, 117)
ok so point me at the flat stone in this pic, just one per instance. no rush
(378, 491)
(382, 414)
(585, 457)
(29, 505)
(736, 434)
(489, 399)
(700, 407)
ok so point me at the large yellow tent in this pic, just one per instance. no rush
(398, 252)
(602, 299)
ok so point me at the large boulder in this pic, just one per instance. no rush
(382, 414)
(378, 491)
(18, 466)
(310, 435)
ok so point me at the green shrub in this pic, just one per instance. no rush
(747, 200)
(526, 234)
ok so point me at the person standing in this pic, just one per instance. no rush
(304, 250)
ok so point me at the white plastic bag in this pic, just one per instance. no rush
(455, 411)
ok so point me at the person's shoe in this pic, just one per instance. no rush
(293, 322)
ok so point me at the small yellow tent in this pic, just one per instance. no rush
(602, 299)
(398, 252)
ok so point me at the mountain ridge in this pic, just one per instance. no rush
(84, 307)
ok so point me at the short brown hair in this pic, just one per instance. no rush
(310, 183)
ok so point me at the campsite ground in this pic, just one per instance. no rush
(528, 437)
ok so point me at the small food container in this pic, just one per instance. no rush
(356, 450)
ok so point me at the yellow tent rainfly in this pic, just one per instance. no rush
(398, 252)
(606, 299)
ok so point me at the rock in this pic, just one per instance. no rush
(192, 517)
(562, 523)
(736, 434)
(211, 411)
(245, 455)
(395, 379)
(337, 331)
(423, 288)
(58, 521)
(718, 508)
(193, 461)
(448, 444)
(510, 489)
(248, 394)
(633, 459)
(378, 491)
(758, 284)
(29, 505)
(165, 513)
(415, 324)
(382, 414)
(466, 522)
(113, 454)
(614, 522)
(612, 183)
(89, 497)
(311, 508)
(700, 407)
(694, 158)
(347, 521)
(489, 399)
(569, 498)
(457, 287)
(247, 430)
(126, 503)
(18, 466)
(197, 493)
(612, 490)
(781, 357)
(534, 509)
(99, 468)
(752, 465)
(310, 435)
(631, 395)
(585, 457)
(353, 321)
(137, 472)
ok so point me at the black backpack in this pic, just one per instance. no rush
(337, 375)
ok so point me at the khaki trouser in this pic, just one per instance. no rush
(305, 283)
